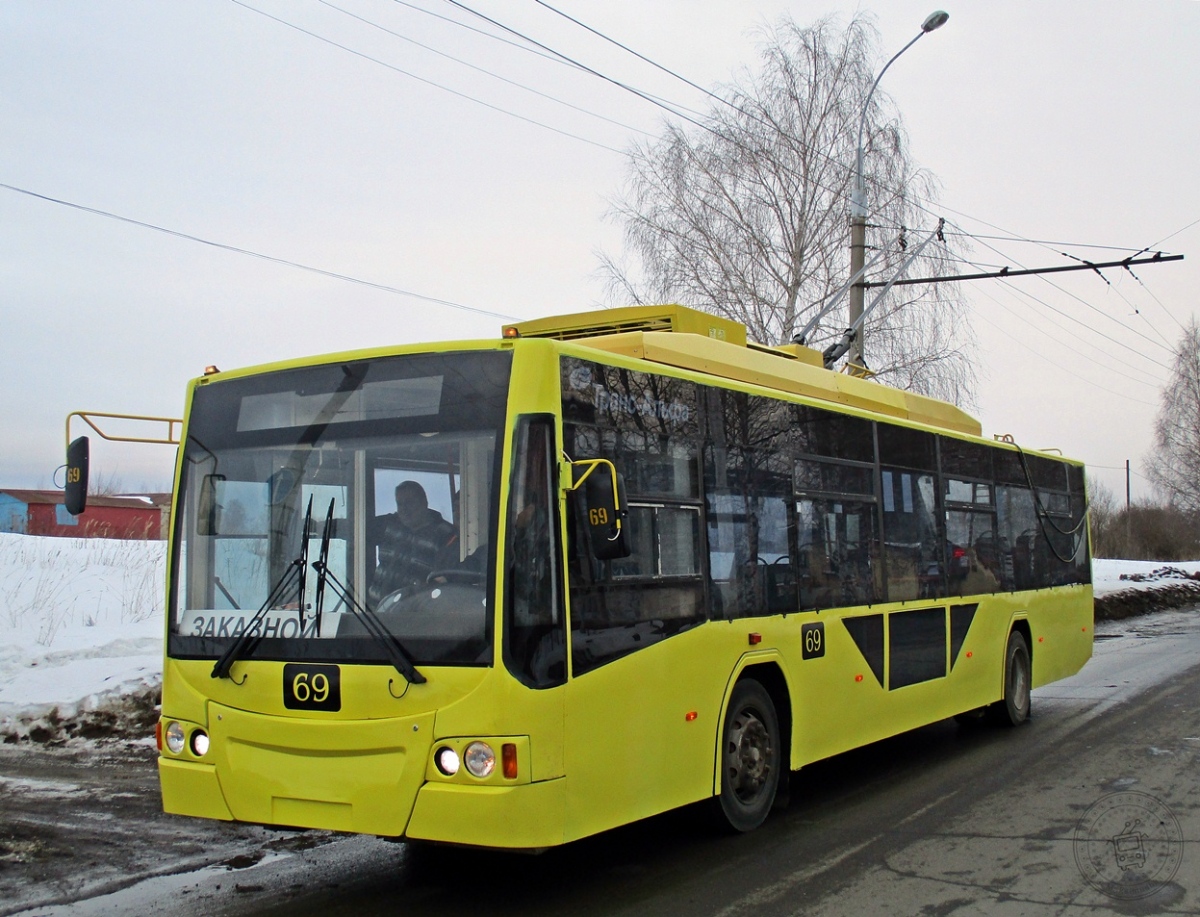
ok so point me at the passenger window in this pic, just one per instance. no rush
(749, 493)
(839, 553)
(912, 542)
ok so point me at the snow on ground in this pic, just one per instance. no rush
(1109, 576)
(81, 627)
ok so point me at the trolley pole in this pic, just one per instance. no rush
(858, 199)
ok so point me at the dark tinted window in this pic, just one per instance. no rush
(911, 535)
(749, 498)
(906, 448)
(964, 459)
(824, 433)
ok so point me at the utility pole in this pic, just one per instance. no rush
(1128, 514)
(858, 199)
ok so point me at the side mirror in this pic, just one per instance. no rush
(604, 494)
(75, 493)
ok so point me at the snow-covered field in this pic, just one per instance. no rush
(81, 624)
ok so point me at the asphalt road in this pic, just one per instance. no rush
(1090, 808)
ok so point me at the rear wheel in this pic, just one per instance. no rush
(1013, 709)
(750, 757)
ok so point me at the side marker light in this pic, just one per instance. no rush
(969, 654)
(858, 678)
(690, 716)
(755, 639)
(158, 734)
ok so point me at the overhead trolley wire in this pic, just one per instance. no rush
(253, 254)
(421, 79)
(1079, 299)
(653, 100)
(1107, 358)
(483, 70)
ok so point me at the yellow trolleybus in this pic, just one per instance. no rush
(651, 564)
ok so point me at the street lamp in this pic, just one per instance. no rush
(858, 198)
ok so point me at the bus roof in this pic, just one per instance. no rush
(674, 335)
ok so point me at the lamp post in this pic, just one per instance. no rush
(858, 198)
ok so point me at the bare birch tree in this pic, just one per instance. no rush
(747, 217)
(1174, 466)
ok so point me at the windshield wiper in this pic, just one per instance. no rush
(371, 624)
(321, 565)
(249, 635)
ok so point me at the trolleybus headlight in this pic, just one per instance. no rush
(446, 760)
(174, 736)
(199, 743)
(480, 759)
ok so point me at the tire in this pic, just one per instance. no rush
(750, 758)
(1013, 708)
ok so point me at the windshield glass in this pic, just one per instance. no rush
(312, 499)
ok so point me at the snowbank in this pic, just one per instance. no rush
(81, 624)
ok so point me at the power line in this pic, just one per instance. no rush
(421, 79)
(483, 70)
(253, 254)
(653, 100)
(1094, 308)
(1149, 382)
(1045, 242)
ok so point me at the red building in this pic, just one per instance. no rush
(41, 512)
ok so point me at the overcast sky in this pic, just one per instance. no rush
(1076, 123)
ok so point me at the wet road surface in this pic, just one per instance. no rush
(943, 820)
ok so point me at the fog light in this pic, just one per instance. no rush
(446, 760)
(174, 736)
(199, 743)
(480, 759)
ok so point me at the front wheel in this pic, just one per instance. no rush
(1013, 709)
(750, 757)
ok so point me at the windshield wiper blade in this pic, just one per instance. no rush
(373, 626)
(321, 565)
(304, 538)
(249, 635)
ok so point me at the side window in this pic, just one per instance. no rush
(912, 545)
(837, 531)
(751, 522)
(1021, 556)
(972, 556)
(647, 425)
(838, 551)
(914, 542)
(535, 646)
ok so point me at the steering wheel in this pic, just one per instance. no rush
(465, 577)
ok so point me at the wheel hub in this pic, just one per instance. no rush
(748, 756)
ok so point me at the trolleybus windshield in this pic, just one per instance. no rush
(333, 510)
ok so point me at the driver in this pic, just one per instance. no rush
(413, 542)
